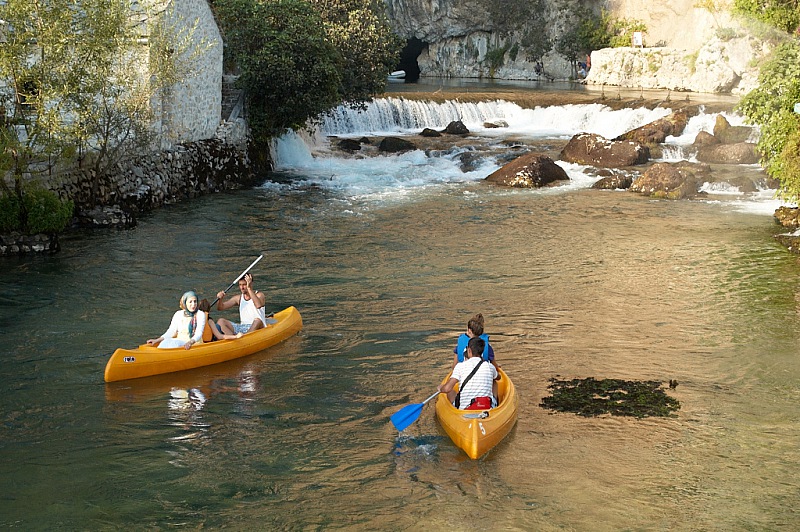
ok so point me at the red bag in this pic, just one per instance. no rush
(480, 403)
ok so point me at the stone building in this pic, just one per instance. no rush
(191, 110)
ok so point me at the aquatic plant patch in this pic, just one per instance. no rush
(591, 397)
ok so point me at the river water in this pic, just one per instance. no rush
(387, 258)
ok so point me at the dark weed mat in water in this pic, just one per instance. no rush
(591, 397)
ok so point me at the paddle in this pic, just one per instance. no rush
(237, 279)
(409, 414)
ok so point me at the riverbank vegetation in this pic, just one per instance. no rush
(76, 90)
(772, 104)
(298, 59)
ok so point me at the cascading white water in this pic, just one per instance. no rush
(386, 116)
(309, 155)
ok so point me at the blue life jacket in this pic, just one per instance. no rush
(461, 348)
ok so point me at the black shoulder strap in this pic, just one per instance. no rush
(463, 384)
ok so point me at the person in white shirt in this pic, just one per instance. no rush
(186, 327)
(251, 308)
(479, 385)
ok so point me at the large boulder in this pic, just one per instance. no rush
(740, 153)
(456, 127)
(657, 131)
(788, 217)
(529, 171)
(592, 149)
(728, 134)
(704, 138)
(396, 144)
(618, 181)
(671, 180)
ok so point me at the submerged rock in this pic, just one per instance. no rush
(349, 144)
(614, 182)
(591, 397)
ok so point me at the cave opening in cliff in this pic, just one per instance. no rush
(408, 58)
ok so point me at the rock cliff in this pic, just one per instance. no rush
(686, 48)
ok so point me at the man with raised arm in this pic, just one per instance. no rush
(251, 308)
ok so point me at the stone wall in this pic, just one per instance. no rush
(191, 110)
(186, 171)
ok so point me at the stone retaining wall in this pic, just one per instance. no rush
(185, 171)
(148, 182)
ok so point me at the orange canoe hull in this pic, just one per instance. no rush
(146, 360)
(474, 435)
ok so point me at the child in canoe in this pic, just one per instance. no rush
(212, 331)
(474, 329)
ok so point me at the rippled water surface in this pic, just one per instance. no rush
(576, 284)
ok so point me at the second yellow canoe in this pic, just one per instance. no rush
(477, 431)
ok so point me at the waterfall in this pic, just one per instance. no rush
(368, 175)
(392, 116)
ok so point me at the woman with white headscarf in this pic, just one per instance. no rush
(186, 328)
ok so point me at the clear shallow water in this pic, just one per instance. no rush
(573, 282)
(577, 284)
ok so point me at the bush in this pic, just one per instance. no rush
(9, 214)
(46, 212)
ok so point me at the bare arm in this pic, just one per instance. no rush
(255, 296)
(448, 386)
(225, 305)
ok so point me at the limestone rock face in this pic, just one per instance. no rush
(592, 149)
(688, 48)
(437, 20)
(717, 67)
(532, 170)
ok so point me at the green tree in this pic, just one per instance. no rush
(77, 79)
(781, 14)
(771, 106)
(301, 58)
(289, 70)
(369, 49)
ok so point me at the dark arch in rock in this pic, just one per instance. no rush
(408, 58)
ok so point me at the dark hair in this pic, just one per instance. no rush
(204, 305)
(475, 346)
(475, 324)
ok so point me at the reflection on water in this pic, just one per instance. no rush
(576, 284)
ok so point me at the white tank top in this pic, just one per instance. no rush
(248, 312)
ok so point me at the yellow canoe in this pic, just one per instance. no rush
(146, 360)
(477, 435)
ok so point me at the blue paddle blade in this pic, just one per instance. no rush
(406, 416)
